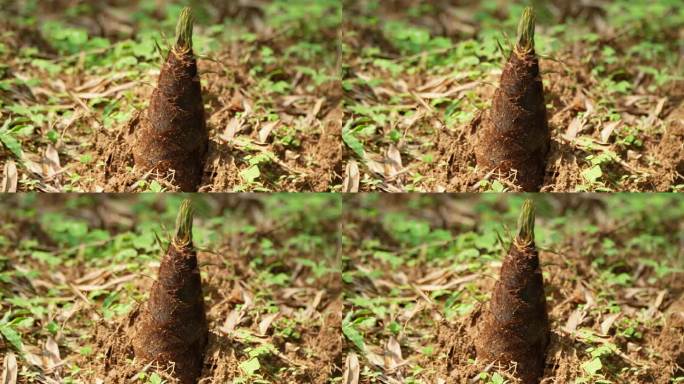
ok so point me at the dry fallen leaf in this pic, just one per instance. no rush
(351, 180)
(9, 369)
(351, 369)
(311, 308)
(266, 322)
(655, 113)
(51, 161)
(574, 320)
(393, 161)
(265, 131)
(375, 166)
(233, 319)
(10, 177)
(576, 126)
(607, 323)
(314, 112)
(374, 358)
(393, 358)
(655, 305)
(234, 126)
(51, 353)
(608, 129)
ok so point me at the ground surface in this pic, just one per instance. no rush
(418, 269)
(416, 74)
(71, 81)
(71, 275)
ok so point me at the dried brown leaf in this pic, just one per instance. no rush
(608, 129)
(266, 129)
(351, 369)
(393, 357)
(657, 302)
(266, 322)
(576, 126)
(10, 177)
(352, 178)
(607, 323)
(232, 321)
(574, 320)
(51, 353)
(393, 161)
(234, 126)
(10, 369)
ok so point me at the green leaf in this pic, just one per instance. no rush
(251, 366)
(592, 366)
(12, 336)
(250, 174)
(155, 379)
(156, 187)
(46, 65)
(352, 333)
(352, 141)
(9, 140)
(497, 378)
(497, 186)
(53, 136)
(592, 174)
(46, 257)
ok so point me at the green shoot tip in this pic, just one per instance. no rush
(183, 236)
(525, 42)
(184, 30)
(525, 236)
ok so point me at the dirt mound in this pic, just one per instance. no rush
(670, 151)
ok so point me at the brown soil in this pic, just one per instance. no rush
(327, 152)
(670, 151)
(328, 343)
(514, 135)
(670, 345)
(172, 137)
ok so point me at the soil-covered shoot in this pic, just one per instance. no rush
(421, 274)
(514, 329)
(171, 138)
(513, 136)
(171, 327)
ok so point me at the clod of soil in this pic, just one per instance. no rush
(171, 328)
(172, 139)
(515, 328)
(671, 149)
(513, 137)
